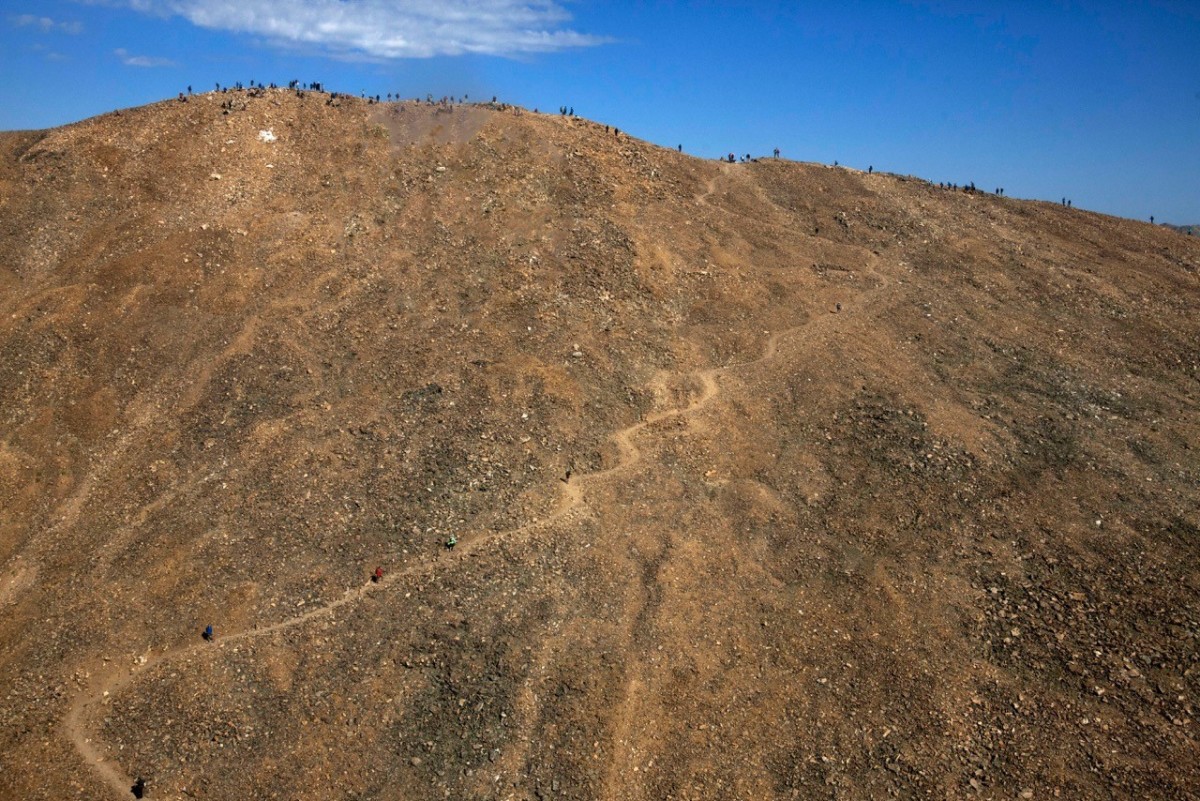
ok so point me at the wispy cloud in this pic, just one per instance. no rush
(45, 24)
(47, 53)
(130, 60)
(388, 29)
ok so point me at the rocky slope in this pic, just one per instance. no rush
(766, 480)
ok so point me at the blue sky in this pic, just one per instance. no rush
(1096, 101)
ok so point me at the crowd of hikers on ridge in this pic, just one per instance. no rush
(256, 89)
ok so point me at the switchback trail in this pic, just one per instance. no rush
(624, 713)
(105, 685)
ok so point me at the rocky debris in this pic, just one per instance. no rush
(797, 553)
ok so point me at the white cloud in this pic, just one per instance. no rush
(130, 60)
(385, 29)
(45, 24)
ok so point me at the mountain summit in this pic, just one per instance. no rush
(510, 457)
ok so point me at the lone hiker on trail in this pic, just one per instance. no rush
(139, 788)
(377, 576)
(208, 633)
(451, 541)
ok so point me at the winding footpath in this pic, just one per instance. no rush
(624, 718)
(104, 686)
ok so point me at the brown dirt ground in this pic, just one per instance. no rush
(875, 489)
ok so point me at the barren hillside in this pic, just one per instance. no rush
(765, 481)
